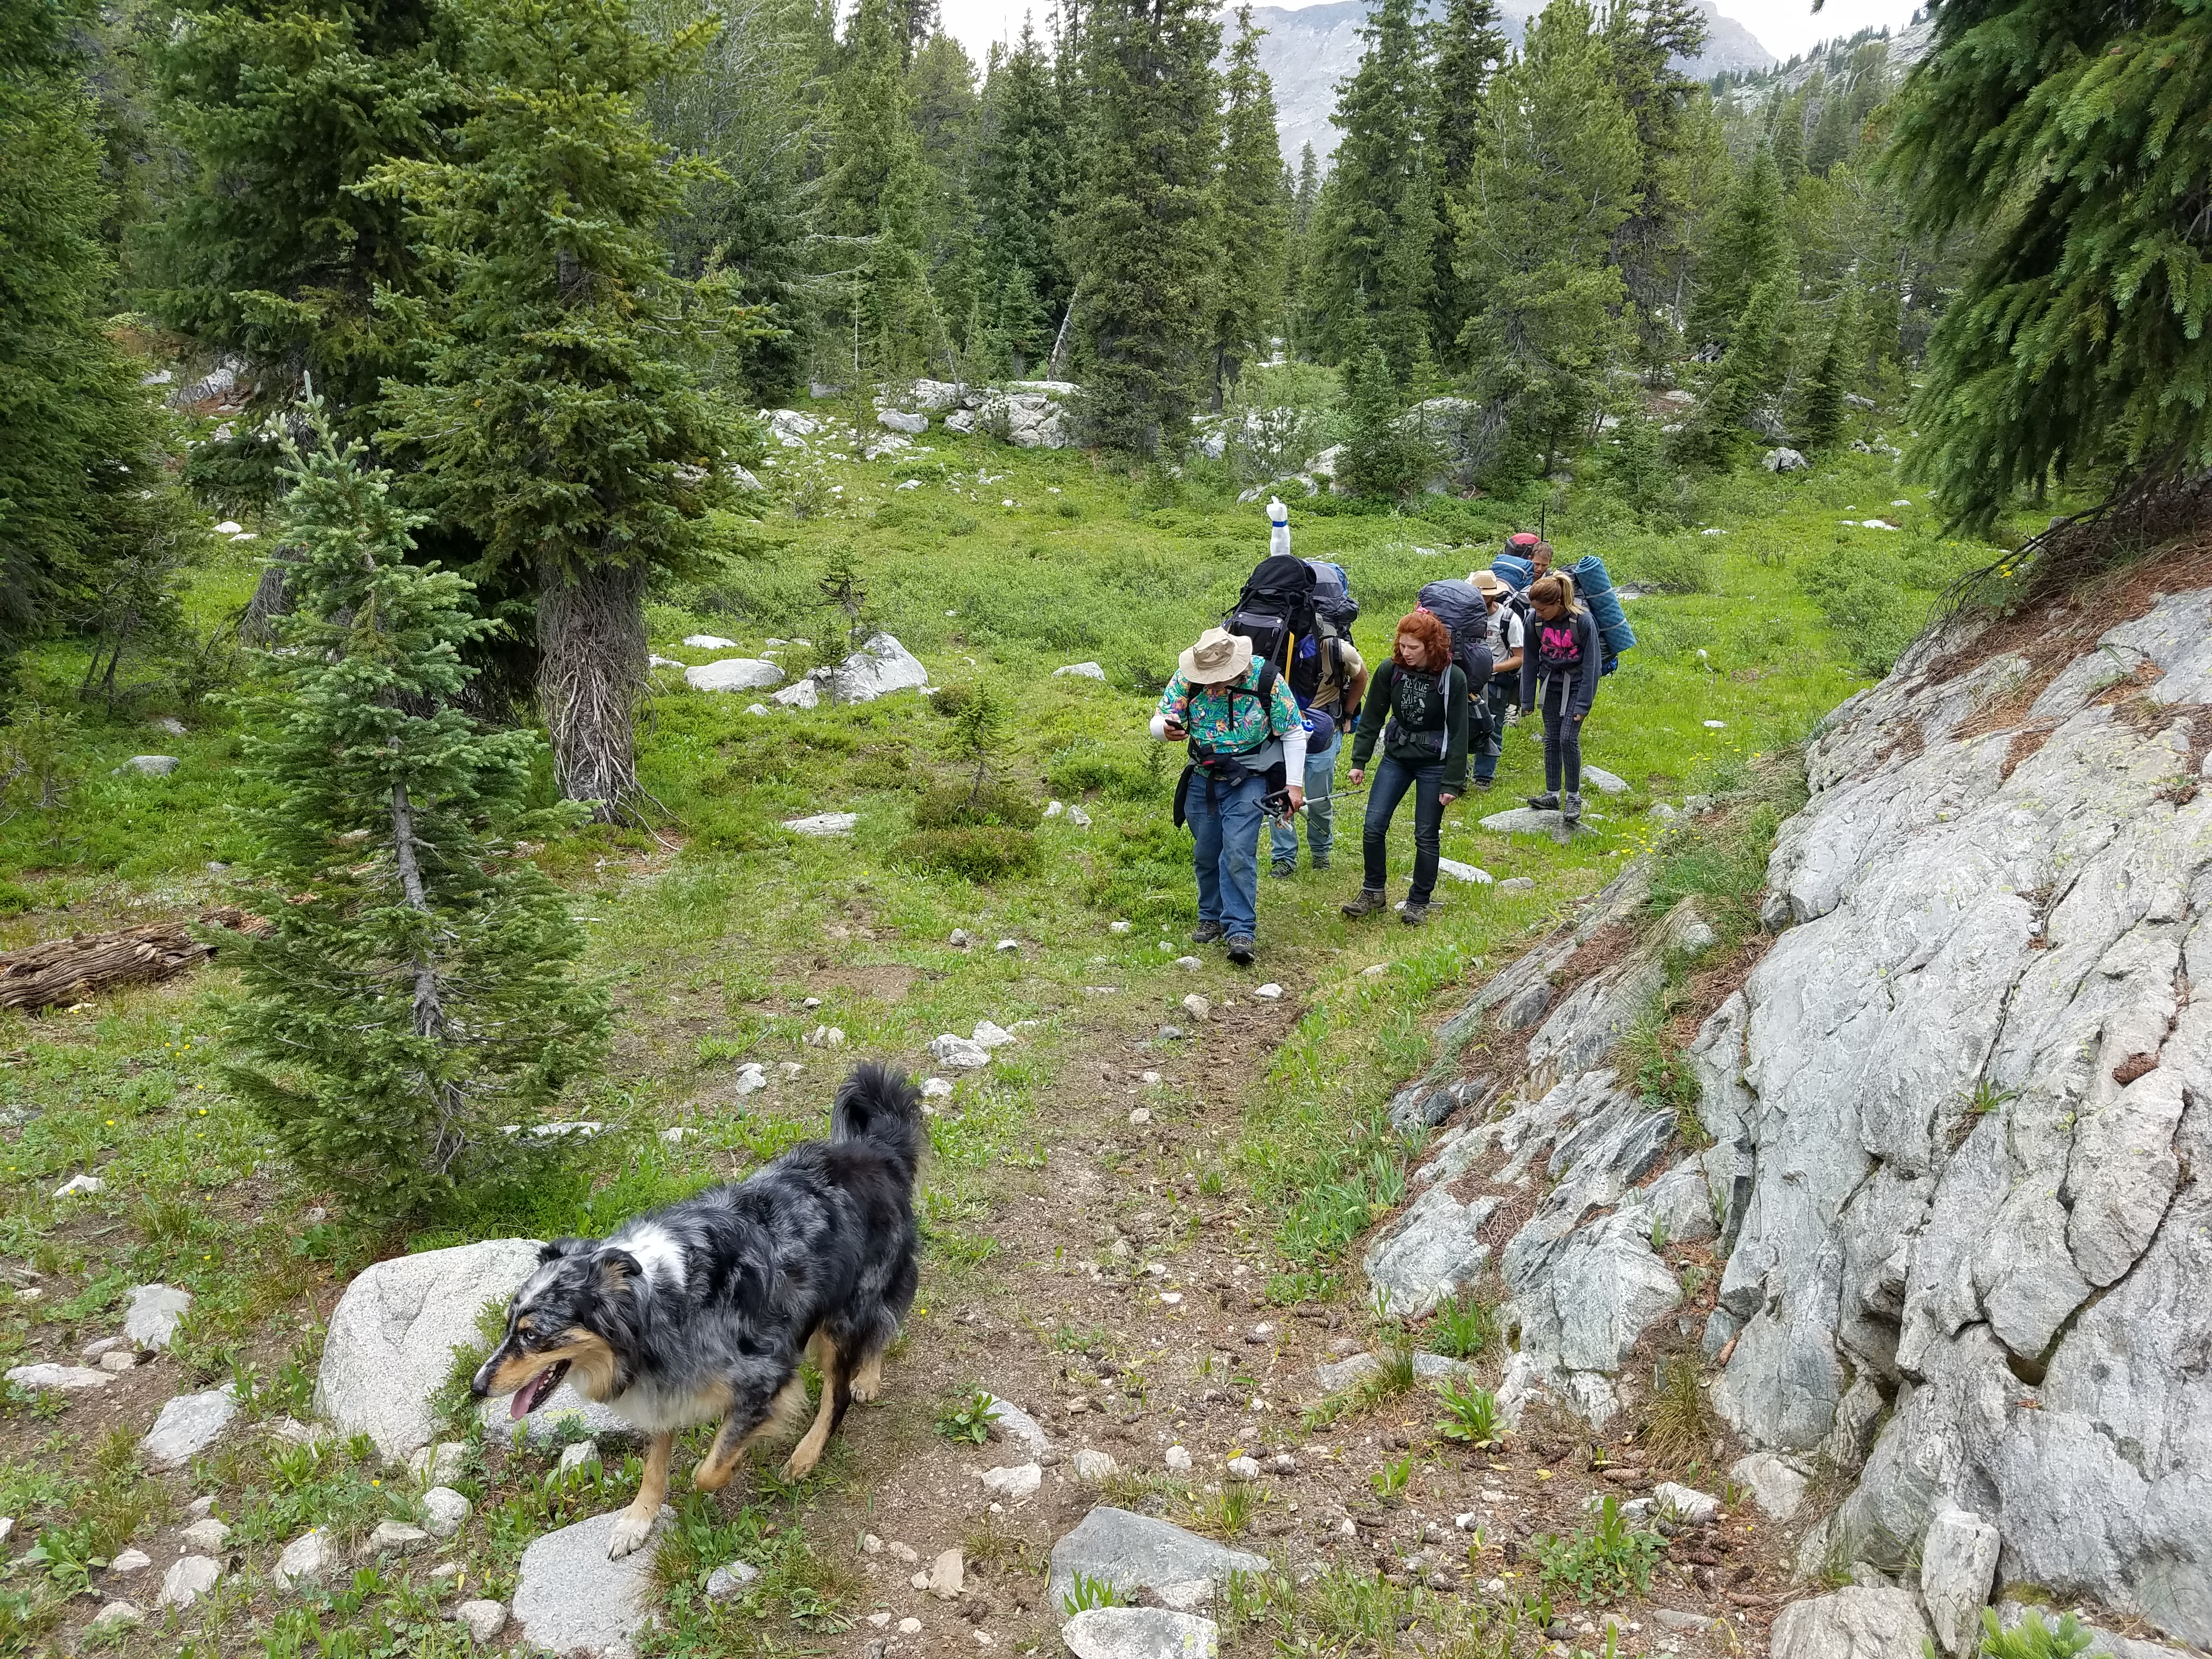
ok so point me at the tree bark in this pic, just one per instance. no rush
(76, 969)
(591, 638)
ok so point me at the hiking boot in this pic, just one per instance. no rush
(1416, 912)
(1240, 950)
(1570, 809)
(1546, 802)
(1321, 861)
(1206, 932)
(1366, 902)
(1483, 785)
(1284, 869)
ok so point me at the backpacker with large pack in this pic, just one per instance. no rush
(1460, 606)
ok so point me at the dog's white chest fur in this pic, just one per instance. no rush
(661, 1410)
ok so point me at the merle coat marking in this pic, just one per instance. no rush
(705, 1309)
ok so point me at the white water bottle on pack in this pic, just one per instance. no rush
(1278, 533)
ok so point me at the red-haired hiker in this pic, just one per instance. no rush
(1416, 705)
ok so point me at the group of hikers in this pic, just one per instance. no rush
(1265, 700)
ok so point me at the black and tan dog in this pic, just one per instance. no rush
(704, 1309)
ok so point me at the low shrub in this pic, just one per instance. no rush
(978, 852)
(956, 806)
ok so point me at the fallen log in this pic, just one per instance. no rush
(64, 971)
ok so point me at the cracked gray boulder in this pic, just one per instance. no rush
(1959, 1103)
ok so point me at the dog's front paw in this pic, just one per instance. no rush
(799, 1464)
(629, 1531)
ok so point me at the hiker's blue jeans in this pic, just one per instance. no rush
(1224, 827)
(1321, 749)
(1393, 778)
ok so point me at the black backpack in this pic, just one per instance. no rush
(1277, 604)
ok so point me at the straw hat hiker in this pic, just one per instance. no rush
(1218, 657)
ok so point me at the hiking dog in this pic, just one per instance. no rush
(704, 1309)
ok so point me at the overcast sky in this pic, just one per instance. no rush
(1785, 27)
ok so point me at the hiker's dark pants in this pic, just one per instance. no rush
(1499, 694)
(1393, 778)
(1563, 739)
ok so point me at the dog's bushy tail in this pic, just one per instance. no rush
(882, 1106)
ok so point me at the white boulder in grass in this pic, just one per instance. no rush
(988, 1036)
(962, 1053)
(799, 694)
(1456, 871)
(1082, 671)
(876, 669)
(709, 642)
(154, 1312)
(824, 824)
(48, 1375)
(734, 674)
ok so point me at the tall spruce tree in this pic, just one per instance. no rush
(269, 247)
(1143, 235)
(743, 105)
(1755, 363)
(416, 989)
(2070, 144)
(561, 417)
(77, 438)
(1746, 244)
(1645, 39)
(1376, 228)
(1468, 46)
(1022, 173)
(1821, 408)
(1251, 219)
(1554, 177)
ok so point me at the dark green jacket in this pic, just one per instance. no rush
(1418, 709)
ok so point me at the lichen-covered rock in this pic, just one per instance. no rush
(1969, 1079)
(1134, 1552)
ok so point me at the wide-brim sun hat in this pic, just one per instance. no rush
(1218, 656)
(1493, 585)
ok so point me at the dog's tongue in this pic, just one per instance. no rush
(518, 1408)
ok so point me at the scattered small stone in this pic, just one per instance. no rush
(1053, 809)
(82, 1186)
(730, 1579)
(1270, 991)
(189, 1578)
(1473, 874)
(960, 1052)
(1375, 970)
(1141, 1114)
(1118, 927)
(188, 1425)
(870, 1544)
(1284, 1463)
(484, 1620)
(1094, 1467)
(47, 1375)
(988, 1036)
(1148, 1078)
(154, 1315)
(117, 1360)
(1014, 1480)
(1140, 1633)
(1086, 671)
(935, 1088)
(909, 1627)
(960, 939)
(1518, 884)
(200, 1507)
(445, 1511)
(1178, 1459)
(1244, 1468)
(305, 1559)
(579, 1455)
(1686, 1502)
(947, 1575)
(396, 1536)
(824, 824)
(206, 1537)
(130, 1561)
(115, 1617)
(1008, 945)
(1079, 817)
(1170, 1034)
(1197, 1007)
(824, 1037)
(1715, 726)
(1188, 964)
(150, 766)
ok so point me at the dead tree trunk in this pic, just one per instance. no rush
(74, 970)
(590, 641)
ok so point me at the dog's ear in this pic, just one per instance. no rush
(559, 1247)
(617, 1269)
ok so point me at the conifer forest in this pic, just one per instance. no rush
(573, 570)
